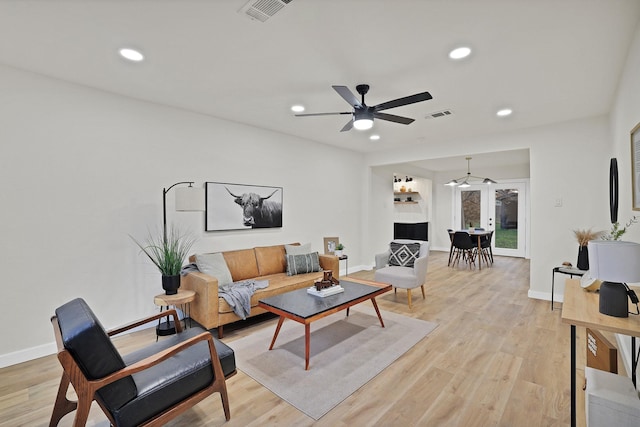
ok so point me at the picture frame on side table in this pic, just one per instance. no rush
(330, 244)
(635, 166)
(241, 207)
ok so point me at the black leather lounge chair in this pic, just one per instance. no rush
(146, 387)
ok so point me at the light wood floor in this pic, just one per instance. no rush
(497, 358)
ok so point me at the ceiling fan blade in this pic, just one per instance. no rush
(348, 96)
(418, 97)
(322, 114)
(347, 127)
(393, 118)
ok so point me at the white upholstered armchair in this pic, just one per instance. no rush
(403, 268)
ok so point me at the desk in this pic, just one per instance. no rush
(581, 308)
(564, 270)
(473, 233)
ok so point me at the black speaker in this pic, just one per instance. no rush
(613, 299)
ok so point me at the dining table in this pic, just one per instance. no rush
(478, 234)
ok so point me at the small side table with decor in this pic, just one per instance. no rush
(183, 299)
(345, 258)
(571, 271)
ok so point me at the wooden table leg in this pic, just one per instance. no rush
(479, 254)
(307, 342)
(375, 305)
(275, 335)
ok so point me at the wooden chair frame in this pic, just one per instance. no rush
(86, 389)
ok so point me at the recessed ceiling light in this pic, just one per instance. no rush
(504, 112)
(297, 108)
(460, 52)
(374, 137)
(131, 54)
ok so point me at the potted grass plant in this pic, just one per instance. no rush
(168, 254)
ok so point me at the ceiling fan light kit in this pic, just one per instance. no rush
(362, 120)
(363, 115)
(465, 179)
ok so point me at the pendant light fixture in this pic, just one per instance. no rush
(463, 182)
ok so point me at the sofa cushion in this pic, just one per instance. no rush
(301, 264)
(242, 264)
(297, 249)
(216, 266)
(403, 254)
(271, 260)
(399, 277)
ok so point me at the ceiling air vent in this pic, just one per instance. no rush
(261, 10)
(438, 114)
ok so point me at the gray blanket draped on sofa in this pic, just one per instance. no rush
(238, 295)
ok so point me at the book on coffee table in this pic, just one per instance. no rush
(336, 289)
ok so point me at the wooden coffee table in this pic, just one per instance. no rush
(305, 308)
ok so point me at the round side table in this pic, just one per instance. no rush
(183, 299)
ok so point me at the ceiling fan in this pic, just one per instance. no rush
(363, 115)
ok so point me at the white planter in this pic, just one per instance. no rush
(338, 253)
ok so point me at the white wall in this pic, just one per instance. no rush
(82, 169)
(624, 117)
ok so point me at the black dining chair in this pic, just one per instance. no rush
(452, 249)
(464, 246)
(485, 245)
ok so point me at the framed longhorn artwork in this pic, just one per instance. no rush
(240, 206)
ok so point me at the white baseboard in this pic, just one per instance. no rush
(27, 354)
(545, 296)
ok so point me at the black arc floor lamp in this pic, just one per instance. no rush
(187, 199)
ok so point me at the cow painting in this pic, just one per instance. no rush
(258, 211)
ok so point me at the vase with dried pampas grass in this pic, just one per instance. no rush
(583, 237)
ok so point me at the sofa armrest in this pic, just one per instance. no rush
(330, 262)
(204, 308)
(382, 259)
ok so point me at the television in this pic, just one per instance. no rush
(411, 230)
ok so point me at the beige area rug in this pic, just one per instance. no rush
(346, 353)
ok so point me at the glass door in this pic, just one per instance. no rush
(498, 207)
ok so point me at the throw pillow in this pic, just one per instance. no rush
(298, 249)
(214, 265)
(300, 264)
(403, 254)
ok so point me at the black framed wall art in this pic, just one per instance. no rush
(240, 206)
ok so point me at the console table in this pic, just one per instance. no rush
(581, 308)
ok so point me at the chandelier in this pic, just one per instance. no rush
(463, 182)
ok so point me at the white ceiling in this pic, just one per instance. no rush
(549, 60)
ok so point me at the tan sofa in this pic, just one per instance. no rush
(264, 263)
